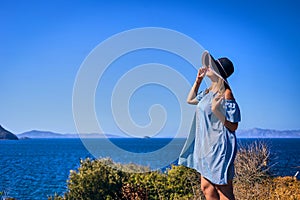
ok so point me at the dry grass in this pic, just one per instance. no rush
(280, 188)
(253, 181)
(252, 163)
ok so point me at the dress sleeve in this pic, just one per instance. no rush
(200, 95)
(232, 111)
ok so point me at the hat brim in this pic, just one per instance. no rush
(209, 61)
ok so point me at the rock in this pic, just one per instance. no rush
(6, 135)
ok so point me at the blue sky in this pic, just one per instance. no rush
(43, 44)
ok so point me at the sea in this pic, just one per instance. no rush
(38, 168)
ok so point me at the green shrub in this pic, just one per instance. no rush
(96, 179)
(178, 182)
(183, 182)
(104, 179)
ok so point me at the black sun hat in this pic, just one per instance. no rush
(222, 66)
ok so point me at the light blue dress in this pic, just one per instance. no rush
(210, 147)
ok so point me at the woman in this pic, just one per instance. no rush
(211, 145)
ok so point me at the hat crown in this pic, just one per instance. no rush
(227, 66)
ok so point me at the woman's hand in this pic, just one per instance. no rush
(216, 102)
(191, 99)
(215, 109)
(201, 73)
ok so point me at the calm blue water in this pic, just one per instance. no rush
(37, 168)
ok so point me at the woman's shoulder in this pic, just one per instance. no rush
(228, 94)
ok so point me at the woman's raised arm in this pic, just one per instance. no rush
(191, 99)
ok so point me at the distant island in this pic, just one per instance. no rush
(49, 134)
(6, 135)
(267, 133)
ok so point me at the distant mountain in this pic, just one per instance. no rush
(6, 135)
(49, 134)
(267, 133)
(40, 134)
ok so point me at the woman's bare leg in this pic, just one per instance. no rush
(225, 191)
(209, 189)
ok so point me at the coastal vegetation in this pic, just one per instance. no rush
(105, 179)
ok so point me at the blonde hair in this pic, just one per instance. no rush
(220, 86)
